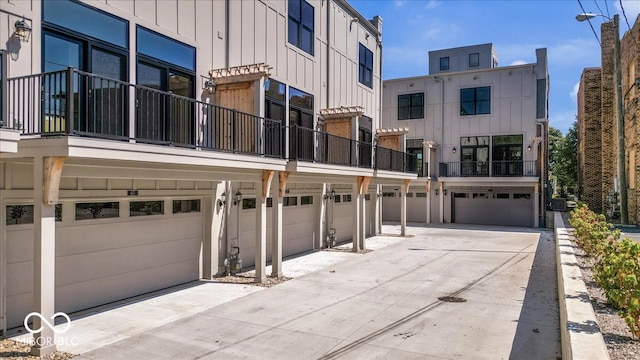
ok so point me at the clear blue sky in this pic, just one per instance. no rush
(411, 28)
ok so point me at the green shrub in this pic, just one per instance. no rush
(617, 262)
(617, 272)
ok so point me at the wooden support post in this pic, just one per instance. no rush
(52, 173)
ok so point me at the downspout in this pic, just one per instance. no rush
(440, 185)
(226, 31)
(543, 159)
(441, 81)
(328, 79)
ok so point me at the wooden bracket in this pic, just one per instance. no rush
(283, 176)
(406, 186)
(267, 176)
(427, 185)
(363, 184)
(52, 173)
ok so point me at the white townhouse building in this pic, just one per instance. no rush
(479, 133)
(143, 143)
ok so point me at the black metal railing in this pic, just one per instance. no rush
(393, 160)
(316, 146)
(489, 169)
(73, 102)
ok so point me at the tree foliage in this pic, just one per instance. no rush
(563, 156)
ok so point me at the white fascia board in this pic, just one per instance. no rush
(326, 169)
(9, 141)
(124, 151)
(394, 175)
(510, 181)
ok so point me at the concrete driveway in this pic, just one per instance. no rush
(448, 292)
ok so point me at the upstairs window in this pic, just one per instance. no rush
(474, 60)
(411, 106)
(475, 101)
(365, 66)
(444, 63)
(301, 20)
(90, 22)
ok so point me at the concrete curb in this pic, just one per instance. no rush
(579, 331)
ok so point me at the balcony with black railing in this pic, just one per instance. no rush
(309, 145)
(489, 169)
(393, 160)
(76, 103)
(73, 102)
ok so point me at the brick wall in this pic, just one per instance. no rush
(589, 133)
(597, 125)
(630, 59)
(608, 137)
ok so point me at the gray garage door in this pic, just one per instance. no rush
(510, 209)
(104, 260)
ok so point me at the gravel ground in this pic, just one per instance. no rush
(248, 278)
(615, 331)
(13, 350)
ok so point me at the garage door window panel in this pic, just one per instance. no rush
(97, 210)
(186, 206)
(146, 208)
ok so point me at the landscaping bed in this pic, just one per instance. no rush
(616, 334)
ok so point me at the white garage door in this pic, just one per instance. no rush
(515, 209)
(298, 228)
(103, 260)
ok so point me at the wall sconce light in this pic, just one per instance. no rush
(529, 147)
(22, 30)
(210, 86)
(437, 192)
(237, 198)
(444, 192)
(379, 195)
(222, 200)
(454, 150)
(331, 195)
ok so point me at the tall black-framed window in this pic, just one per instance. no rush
(301, 25)
(475, 101)
(415, 147)
(87, 39)
(365, 138)
(2, 89)
(474, 156)
(301, 143)
(506, 154)
(474, 59)
(275, 106)
(365, 66)
(444, 63)
(164, 65)
(411, 106)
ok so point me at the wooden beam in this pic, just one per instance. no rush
(406, 185)
(52, 173)
(283, 176)
(267, 176)
(363, 184)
